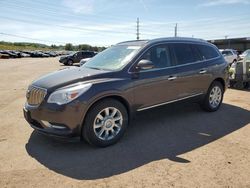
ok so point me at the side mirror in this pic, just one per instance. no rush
(145, 64)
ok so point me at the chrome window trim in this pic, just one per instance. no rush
(168, 102)
(165, 43)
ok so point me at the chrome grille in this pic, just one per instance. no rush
(35, 95)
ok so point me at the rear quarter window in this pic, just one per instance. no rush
(207, 52)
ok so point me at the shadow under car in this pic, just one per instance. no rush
(161, 133)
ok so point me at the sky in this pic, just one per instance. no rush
(106, 22)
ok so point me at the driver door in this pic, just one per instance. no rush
(156, 85)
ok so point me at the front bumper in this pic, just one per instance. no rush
(54, 120)
(63, 60)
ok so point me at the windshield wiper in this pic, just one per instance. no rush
(96, 68)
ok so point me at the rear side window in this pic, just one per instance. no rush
(207, 52)
(183, 53)
(87, 54)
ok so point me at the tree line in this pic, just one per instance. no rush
(37, 46)
(83, 47)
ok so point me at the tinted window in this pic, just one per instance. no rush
(183, 53)
(207, 52)
(159, 55)
(196, 52)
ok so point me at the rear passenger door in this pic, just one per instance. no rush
(191, 73)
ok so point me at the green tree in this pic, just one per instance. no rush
(69, 47)
(53, 46)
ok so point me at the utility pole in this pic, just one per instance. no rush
(138, 29)
(175, 30)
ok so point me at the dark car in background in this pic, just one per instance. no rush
(97, 100)
(76, 57)
(10, 53)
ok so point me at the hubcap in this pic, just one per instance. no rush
(108, 123)
(215, 97)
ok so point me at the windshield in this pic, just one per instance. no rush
(225, 52)
(248, 57)
(246, 52)
(113, 58)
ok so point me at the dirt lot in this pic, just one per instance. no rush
(177, 145)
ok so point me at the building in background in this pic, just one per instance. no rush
(239, 44)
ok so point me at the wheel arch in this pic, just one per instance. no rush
(119, 98)
(222, 81)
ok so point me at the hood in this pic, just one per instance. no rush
(68, 76)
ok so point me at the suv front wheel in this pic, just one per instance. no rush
(105, 123)
(214, 97)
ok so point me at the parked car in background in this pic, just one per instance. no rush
(7, 52)
(230, 55)
(24, 54)
(240, 73)
(76, 57)
(83, 61)
(51, 54)
(244, 54)
(97, 100)
(30, 53)
(4, 56)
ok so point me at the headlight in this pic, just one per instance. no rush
(67, 95)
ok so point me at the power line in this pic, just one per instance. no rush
(35, 39)
(66, 27)
(206, 26)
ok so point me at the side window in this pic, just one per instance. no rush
(196, 52)
(88, 54)
(183, 53)
(207, 52)
(77, 54)
(159, 55)
(84, 54)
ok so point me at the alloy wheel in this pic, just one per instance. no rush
(108, 123)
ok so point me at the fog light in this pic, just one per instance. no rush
(49, 125)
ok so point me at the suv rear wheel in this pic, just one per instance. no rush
(214, 97)
(105, 123)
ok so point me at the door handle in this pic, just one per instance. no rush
(171, 78)
(203, 71)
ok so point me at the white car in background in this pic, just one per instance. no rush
(230, 55)
(244, 54)
(83, 61)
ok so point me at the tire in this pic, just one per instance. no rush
(101, 128)
(231, 84)
(70, 62)
(246, 85)
(212, 101)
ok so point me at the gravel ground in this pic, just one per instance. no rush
(173, 146)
